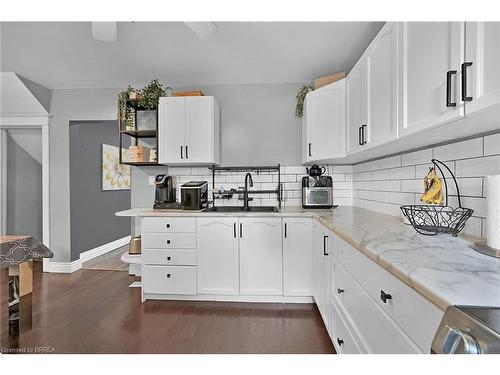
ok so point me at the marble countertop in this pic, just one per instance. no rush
(442, 268)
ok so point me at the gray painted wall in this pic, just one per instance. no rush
(24, 192)
(257, 125)
(93, 220)
(70, 105)
(41, 93)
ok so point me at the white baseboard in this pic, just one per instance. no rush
(106, 248)
(69, 267)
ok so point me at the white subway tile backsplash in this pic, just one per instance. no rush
(342, 169)
(478, 167)
(412, 186)
(492, 144)
(417, 157)
(402, 173)
(391, 162)
(383, 174)
(391, 185)
(401, 198)
(381, 196)
(470, 148)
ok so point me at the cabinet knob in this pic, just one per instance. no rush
(340, 291)
(168, 242)
(340, 341)
(168, 276)
(384, 296)
(168, 258)
(168, 225)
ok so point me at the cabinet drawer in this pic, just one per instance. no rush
(341, 336)
(168, 240)
(375, 330)
(170, 257)
(416, 315)
(169, 279)
(169, 224)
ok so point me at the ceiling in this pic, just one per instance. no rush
(64, 54)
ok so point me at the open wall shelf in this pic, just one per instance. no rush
(136, 134)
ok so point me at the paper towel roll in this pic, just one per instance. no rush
(492, 193)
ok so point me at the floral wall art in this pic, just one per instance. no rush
(115, 176)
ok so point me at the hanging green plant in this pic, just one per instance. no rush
(125, 114)
(301, 96)
(149, 95)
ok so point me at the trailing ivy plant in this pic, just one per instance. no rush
(149, 95)
(125, 114)
(301, 96)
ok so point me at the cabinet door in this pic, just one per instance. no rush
(427, 51)
(356, 106)
(297, 257)
(482, 49)
(381, 69)
(307, 131)
(326, 115)
(317, 258)
(261, 256)
(199, 129)
(325, 283)
(171, 130)
(217, 256)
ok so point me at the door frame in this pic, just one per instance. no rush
(27, 122)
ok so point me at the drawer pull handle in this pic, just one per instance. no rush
(340, 341)
(340, 291)
(384, 296)
(168, 225)
(168, 276)
(168, 258)
(168, 242)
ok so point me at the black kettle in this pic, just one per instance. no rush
(315, 170)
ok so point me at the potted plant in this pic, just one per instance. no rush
(125, 114)
(148, 104)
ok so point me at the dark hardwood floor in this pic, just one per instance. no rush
(96, 312)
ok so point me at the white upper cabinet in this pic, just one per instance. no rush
(481, 67)
(323, 123)
(430, 56)
(217, 256)
(261, 256)
(381, 73)
(356, 106)
(188, 130)
(297, 257)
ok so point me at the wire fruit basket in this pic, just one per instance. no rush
(430, 220)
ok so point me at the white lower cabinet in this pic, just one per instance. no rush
(375, 330)
(342, 337)
(261, 256)
(297, 257)
(169, 279)
(217, 253)
(321, 272)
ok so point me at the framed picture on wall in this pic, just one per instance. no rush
(115, 176)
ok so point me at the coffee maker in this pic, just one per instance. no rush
(165, 192)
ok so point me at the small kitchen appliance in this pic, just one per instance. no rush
(317, 192)
(468, 330)
(194, 195)
(315, 170)
(165, 192)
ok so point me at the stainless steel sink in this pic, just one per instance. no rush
(242, 209)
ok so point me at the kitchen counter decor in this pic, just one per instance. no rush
(434, 218)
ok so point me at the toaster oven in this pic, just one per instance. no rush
(317, 192)
(194, 195)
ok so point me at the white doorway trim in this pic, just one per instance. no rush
(27, 122)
